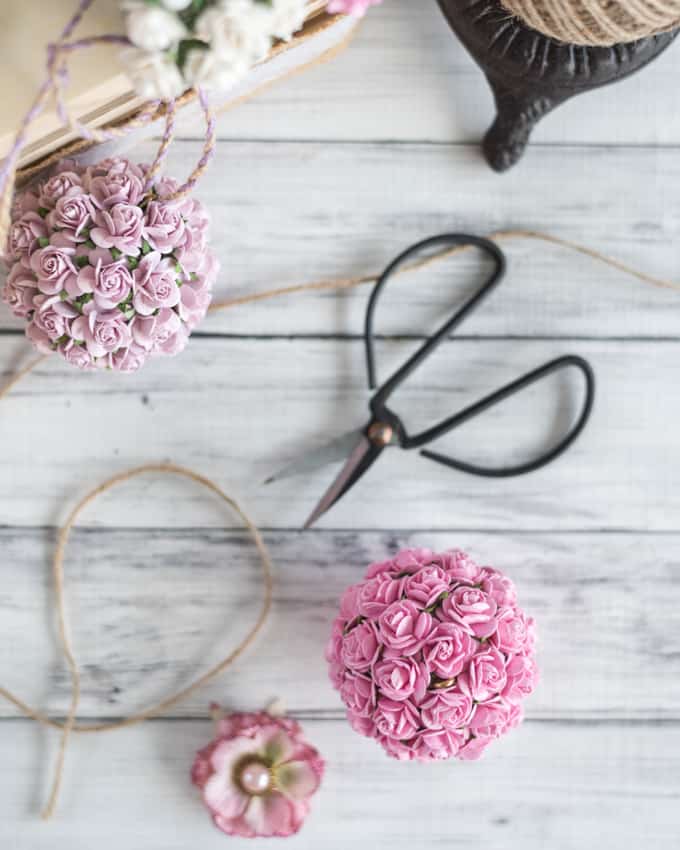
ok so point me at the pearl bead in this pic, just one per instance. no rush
(255, 778)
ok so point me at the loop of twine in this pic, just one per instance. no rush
(70, 725)
(597, 23)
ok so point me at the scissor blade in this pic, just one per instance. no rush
(362, 457)
(332, 452)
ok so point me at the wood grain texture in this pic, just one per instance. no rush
(240, 409)
(563, 786)
(149, 608)
(406, 77)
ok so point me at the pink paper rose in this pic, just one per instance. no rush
(164, 226)
(53, 316)
(514, 632)
(123, 183)
(128, 359)
(427, 585)
(485, 677)
(72, 215)
(358, 8)
(401, 678)
(459, 566)
(449, 709)
(448, 650)
(336, 668)
(438, 744)
(404, 628)
(522, 675)
(53, 268)
(76, 355)
(39, 338)
(360, 647)
(411, 560)
(109, 281)
(57, 187)
(378, 593)
(102, 332)
(490, 720)
(195, 298)
(358, 694)
(473, 609)
(396, 718)
(155, 284)
(119, 227)
(19, 291)
(25, 234)
(258, 776)
(498, 586)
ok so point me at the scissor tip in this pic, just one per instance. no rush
(270, 480)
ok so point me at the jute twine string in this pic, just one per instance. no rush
(70, 725)
(597, 23)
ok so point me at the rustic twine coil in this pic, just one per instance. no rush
(596, 23)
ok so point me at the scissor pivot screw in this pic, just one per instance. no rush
(380, 434)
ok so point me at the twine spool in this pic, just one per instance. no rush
(596, 23)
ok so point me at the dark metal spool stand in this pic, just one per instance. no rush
(530, 74)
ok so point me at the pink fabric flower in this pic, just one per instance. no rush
(358, 8)
(258, 776)
(102, 332)
(448, 650)
(485, 676)
(360, 647)
(119, 227)
(82, 251)
(473, 609)
(401, 678)
(404, 628)
(432, 656)
(155, 284)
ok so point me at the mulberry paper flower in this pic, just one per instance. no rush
(258, 776)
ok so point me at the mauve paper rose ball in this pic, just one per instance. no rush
(105, 274)
(432, 656)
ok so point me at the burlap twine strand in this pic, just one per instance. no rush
(69, 725)
(596, 23)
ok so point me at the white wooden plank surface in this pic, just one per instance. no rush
(240, 409)
(329, 174)
(563, 786)
(149, 606)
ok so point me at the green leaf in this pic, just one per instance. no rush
(146, 248)
(132, 262)
(43, 212)
(81, 262)
(90, 244)
(43, 241)
(115, 253)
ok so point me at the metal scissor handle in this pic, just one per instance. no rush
(382, 413)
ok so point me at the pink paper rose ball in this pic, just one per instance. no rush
(258, 776)
(432, 655)
(105, 273)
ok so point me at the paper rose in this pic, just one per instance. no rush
(105, 275)
(257, 777)
(432, 655)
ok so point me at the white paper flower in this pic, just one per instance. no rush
(153, 28)
(176, 5)
(287, 17)
(154, 75)
(237, 30)
(207, 69)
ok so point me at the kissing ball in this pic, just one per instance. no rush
(432, 656)
(105, 273)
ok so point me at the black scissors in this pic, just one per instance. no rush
(363, 447)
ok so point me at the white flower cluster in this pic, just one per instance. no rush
(182, 44)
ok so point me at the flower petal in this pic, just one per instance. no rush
(227, 753)
(223, 797)
(278, 745)
(273, 815)
(297, 779)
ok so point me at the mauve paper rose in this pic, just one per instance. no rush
(404, 628)
(155, 284)
(411, 667)
(58, 186)
(53, 267)
(72, 215)
(358, 8)
(448, 650)
(473, 609)
(102, 332)
(25, 235)
(360, 647)
(103, 271)
(119, 227)
(485, 676)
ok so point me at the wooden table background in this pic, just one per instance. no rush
(331, 174)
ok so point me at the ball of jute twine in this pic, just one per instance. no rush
(597, 23)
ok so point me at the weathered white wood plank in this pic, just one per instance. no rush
(239, 409)
(566, 787)
(151, 609)
(292, 213)
(405, 76)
